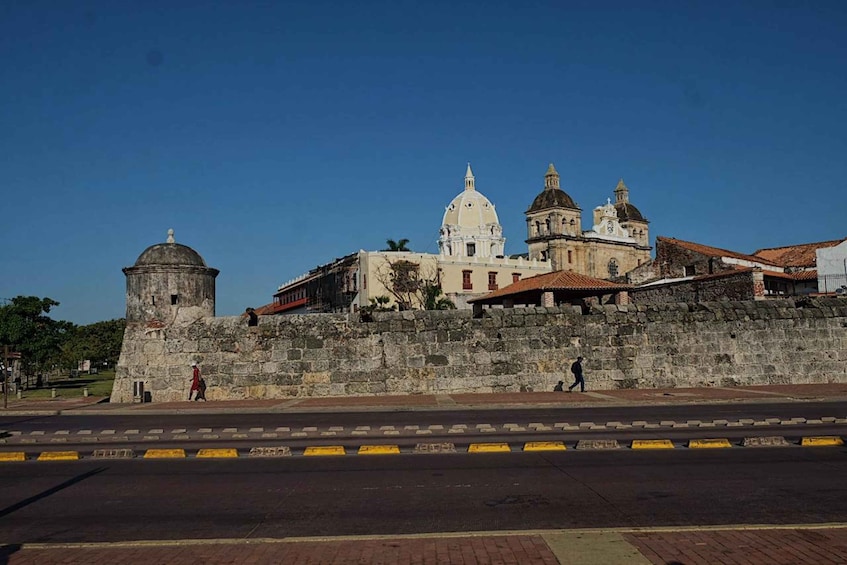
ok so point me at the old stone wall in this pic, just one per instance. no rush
(661, 345)
(735, 285)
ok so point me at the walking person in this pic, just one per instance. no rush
(195, 380)
(576, 369)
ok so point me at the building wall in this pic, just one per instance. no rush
(375, 265)
(832, 267)
(747, 285)
(636, 345)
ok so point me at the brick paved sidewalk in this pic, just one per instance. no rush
(753, 547)
(529, 550)
(771, 546)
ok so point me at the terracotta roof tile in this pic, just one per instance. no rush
(713, 251)
(802, 255)
(557, 280)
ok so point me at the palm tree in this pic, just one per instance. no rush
(397, 245)
(433, 299)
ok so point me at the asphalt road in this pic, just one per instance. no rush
(399, 494)
(496, 416)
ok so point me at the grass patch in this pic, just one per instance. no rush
(98, 385)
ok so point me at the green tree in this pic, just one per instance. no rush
(434, 299)
(99, 342)
(399, 245)
(25, 326)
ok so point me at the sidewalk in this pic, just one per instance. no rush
(625, 397)
(795, 545)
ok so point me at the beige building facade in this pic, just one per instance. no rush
(618, 241)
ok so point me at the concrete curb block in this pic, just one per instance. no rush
(597, 444)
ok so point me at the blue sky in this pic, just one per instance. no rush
(276, 136)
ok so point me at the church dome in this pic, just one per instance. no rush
(470, 209)
(552, 196)
(627, 211)
(170, 253)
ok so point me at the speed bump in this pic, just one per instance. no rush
(652, 444)
(379, 449)
(709, 443)
(164, 454)
(822, 441)
(13, 456)
(544, 446)
(489, 448)
(325, 450)
(210, 453)
(58, 456)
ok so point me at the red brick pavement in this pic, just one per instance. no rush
(518, 549)
(748, 547)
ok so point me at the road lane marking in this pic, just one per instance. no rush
(325, 450)
(822, 441)
(715, 443)
(212, 453)
(58, 456)
(13, 456)
(489, 448)
(378, 449)
(652, 444)
(544, 446)
(164, 454)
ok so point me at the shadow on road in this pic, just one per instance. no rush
(53, 490)
(7, 550)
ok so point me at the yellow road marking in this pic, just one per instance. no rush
(652, 444)
(544, 446)
(821, 441)
(164, 453)
(488, 447)
(378, 449)
(325, 450)
(58, 456)
(214, 453)
(708, 443)
(13, 456)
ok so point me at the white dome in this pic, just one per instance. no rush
(469, 210)
(470, 218)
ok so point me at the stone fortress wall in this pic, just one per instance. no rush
(506, 350)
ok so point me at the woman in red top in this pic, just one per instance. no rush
(195, 380)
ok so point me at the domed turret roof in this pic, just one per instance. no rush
(170, 253)
(552, 196)
(470, 209)
(627, 211)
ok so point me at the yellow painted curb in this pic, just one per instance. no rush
(544, 446)
(488, 447)
(378, 449)
(652, 444)
(822, 441)
(325, 450)
(215, 453)
(58, 456)
(164, 453)
(13, 456)
(708, 443)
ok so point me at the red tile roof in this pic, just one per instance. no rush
(802, 255)
(557, 280)
(713, 251)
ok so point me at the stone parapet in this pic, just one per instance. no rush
(506, 350)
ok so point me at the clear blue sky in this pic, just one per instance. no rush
(276, 136)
